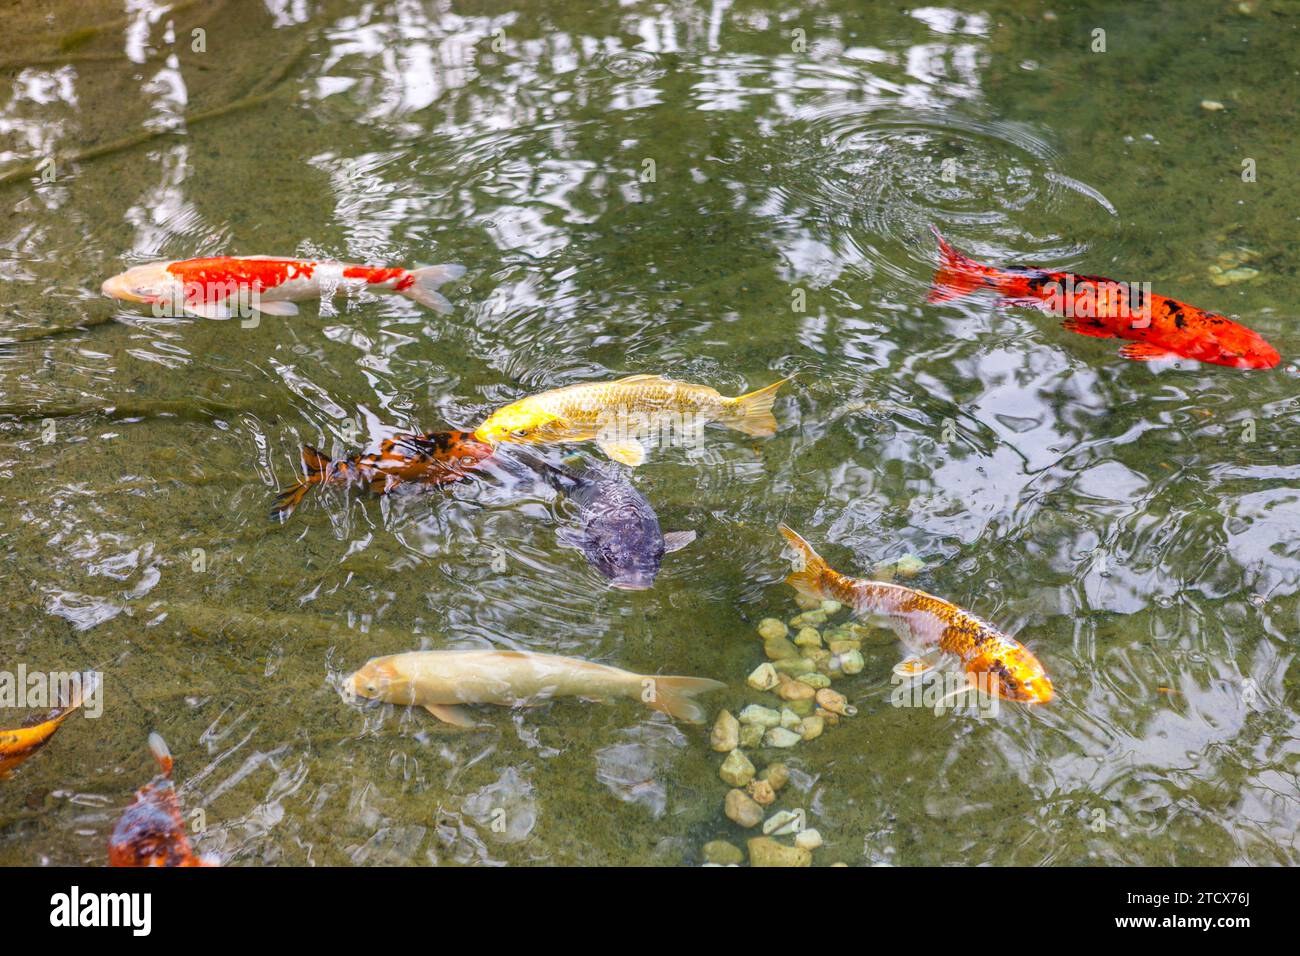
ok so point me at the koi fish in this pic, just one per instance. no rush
(438, 458)
(619, 534)
(1156, 327)
(17, 745)
(222, 286)
(440, 681)
(614, 413)
(151, 831)
(927, 623)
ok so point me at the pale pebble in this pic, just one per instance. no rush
(725, 734)
(741, 809)
(808, 839)
(763, 677)
(764, 851)
(758, 714)
(784, 821)
(781, 737)
(812, 727)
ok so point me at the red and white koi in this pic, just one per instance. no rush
(223, 286)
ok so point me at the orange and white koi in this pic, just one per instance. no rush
(151, 831)
(222, 286)
(1155, 326)
(927, 623)
(438, 458)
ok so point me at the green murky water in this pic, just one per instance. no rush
(645, 187)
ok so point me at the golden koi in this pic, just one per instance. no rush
(17, 745)
(925, 622)
(439, 681)
(618, 413)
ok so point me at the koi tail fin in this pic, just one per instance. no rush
(958, 275)
(425, 288)
(809, 566)
(752, 413)
(316, 466)
(674, 696)
(161, 753)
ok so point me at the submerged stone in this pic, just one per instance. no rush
(764, 851)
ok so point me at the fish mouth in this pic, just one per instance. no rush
(115, 288)
(1041, 692)
(1268, 358)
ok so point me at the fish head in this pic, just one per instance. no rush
(522, 422)
(146, 283)
(625, 545)
(1233, 345)
(150, 832)
(455, 449)
(1254, 352)
(379, 679)
(1017, 675)
(466, 450)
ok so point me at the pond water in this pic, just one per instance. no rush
(723, 193)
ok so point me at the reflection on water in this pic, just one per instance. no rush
(715, 193)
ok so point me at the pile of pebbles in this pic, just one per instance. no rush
(803, 658)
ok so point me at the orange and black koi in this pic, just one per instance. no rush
(438, 458)
(151, 831)
(1155, 326)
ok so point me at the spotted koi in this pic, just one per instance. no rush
(1155, 326)
(926, 623)
(437, 458)
(151, 831)
(215, 287)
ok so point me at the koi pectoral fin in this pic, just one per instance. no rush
(676, 540)
(450, 714)
(1085, 328)
(630, 453)
(1146, 352)
(217, 311)
(971, 686)
(277, 308)
(916, 665)
(1026, 302)
(569, 538)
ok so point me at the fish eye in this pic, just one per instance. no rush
(371, 688)
(520, 433)
(467, 459)
(148, 291)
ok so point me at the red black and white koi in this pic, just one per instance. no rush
(225, 286)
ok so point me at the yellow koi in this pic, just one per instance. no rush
(619, 414)
(19, 744)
